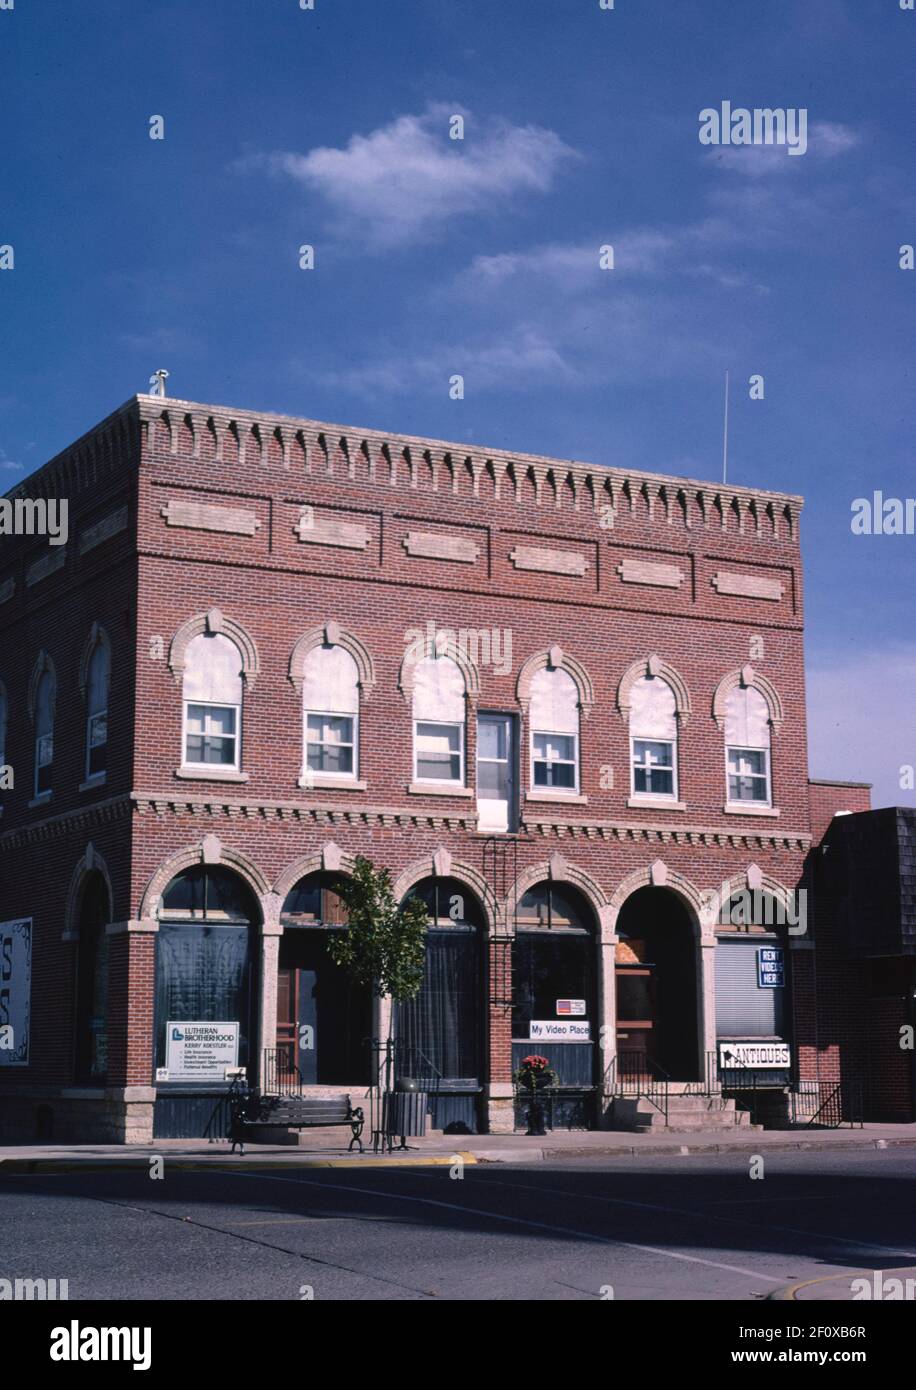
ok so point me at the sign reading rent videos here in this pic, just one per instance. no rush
(200, 1051)
(15, 991)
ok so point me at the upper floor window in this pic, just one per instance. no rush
(212, 695)
(44, 733)
(747, 747)
(330, 703)
(653, 738)
(554, 720)
(97, 710)
(439, 721)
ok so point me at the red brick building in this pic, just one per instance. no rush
(565, 704)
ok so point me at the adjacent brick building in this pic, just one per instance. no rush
(563, 703)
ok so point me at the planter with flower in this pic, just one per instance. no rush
(533, 1077)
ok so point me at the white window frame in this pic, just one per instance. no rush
(308, 772)
(745, 748)
(39, 739)
(462, 737)
(551, 789)
(654, 796)
(215, 768)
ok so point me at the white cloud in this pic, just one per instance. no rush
(407, 178)
(826, 140)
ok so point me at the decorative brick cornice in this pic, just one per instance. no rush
(85, 818)
(693, 835)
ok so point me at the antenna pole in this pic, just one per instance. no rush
(725, 434)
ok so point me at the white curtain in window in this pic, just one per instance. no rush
(438, 691)
(554, 705)
(97, 686)
(653, 712)
(213, 671)
(330, 681)
(747, 719)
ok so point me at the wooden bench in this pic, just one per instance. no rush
(254, 1112)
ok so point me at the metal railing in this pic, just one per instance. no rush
(279, 1074)
(635, 1076)
(843, 1104)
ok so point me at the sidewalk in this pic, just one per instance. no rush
(326, 1148)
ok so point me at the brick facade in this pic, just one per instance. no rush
(282, 526)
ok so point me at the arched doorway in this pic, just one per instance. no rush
(91, 1031)
(443, 1027)
(206, 996)
(658, 986)
(324, 1020)
(554, 992)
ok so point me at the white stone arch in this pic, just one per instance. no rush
(456, 652)
(441, 865)
(209, 850)
(653, 665)
(333, 635)
(556, 659)
(743, 677)
(97, 637)
(89, 862)
(557, 869)
(752, 879)
(330, 859)
(214, 621)
(44, 663)
(658, 875)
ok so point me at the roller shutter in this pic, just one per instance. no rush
(743, 1010)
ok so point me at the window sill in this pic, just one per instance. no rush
(560, 797)
(321, 782)
(207, 774)
(98, 779)
(656, 803)
(738, 809)
(437, 789)
(41, 799)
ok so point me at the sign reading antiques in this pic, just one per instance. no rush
(559, 1030)
(201, 1051)
(771, 967)
(753, 1053)
(15, 991)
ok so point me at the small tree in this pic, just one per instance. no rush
(385, 944)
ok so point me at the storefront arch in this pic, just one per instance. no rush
(207, 973)
(659, 981)
(441, 1033)
(324, 1019)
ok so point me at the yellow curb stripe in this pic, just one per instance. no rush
(791, 1290)
(37, 1165)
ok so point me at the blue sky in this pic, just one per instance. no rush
(434, 257)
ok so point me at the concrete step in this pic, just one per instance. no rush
(686, 1114)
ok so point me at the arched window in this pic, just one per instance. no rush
(212, 693)
(747, 747)
(653, 738)
(44, 733)
(330, 703)
(204, 975)
(554, 719)
(97, 710)
(439, 721)
(92, 982)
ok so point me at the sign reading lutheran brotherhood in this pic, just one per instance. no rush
(201, 1051)
(754, 1054)
(15, 991)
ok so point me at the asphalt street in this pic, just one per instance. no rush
(676, 1227)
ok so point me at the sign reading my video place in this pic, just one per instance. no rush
(201, 1051)
(771, 967)
(559, 1030)
(15, 991)
(753, 1054)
